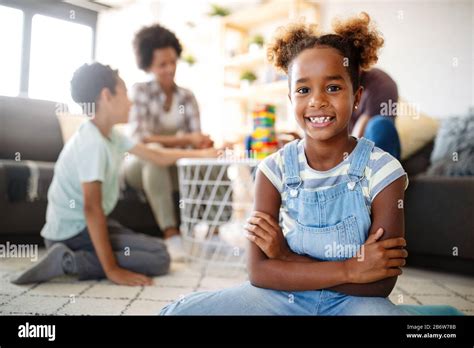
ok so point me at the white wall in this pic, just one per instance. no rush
(422, 41)
(116, 29)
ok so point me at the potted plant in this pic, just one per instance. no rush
(247, 77)
(256, 43)
(189, 59)
(218, 11)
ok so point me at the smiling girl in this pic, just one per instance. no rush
(340, 199)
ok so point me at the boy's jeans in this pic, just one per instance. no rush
(134, 251)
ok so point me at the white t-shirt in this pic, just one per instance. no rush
(88, 156)
(169, 119)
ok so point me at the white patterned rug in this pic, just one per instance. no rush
(68, 296)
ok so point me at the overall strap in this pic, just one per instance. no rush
(360, 158)
(291, 175)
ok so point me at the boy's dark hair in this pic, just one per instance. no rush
(354, 38)
(148, 39)
(89, 80)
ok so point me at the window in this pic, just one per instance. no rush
(41, 44)
(58, 48)
(11, 22)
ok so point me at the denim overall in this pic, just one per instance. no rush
(330, 225)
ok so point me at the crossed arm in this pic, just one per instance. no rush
(273, 265)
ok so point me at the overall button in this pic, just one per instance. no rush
(293, 192)
(351, 185)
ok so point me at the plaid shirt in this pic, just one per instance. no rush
(148, 100)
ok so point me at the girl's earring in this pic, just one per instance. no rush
(355, 107)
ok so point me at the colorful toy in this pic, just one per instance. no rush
(263, 141)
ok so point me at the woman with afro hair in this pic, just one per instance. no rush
(163, 114)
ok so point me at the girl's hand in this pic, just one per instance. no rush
(377, 260)
(263, 230)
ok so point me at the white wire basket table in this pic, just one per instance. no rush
(216, 198)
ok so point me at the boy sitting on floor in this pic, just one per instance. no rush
(85, 189)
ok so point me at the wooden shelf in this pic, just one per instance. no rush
(237, 31)
(264, 93)
(247, 19)
(246, 22)
(246, 60)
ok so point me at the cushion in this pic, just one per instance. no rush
(454, 135)
(69, 124)
(453, 152)
(414, 131)
(464, 166)
(27, 181)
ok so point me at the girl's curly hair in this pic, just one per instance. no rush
(355, 38)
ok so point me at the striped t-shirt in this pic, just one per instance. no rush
(381, 171)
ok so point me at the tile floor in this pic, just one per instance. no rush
(67, 296)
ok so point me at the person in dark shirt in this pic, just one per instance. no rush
(374, 118)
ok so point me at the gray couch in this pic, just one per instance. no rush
(438, 210)
(439, 220)
(439, 223)
(30, 133)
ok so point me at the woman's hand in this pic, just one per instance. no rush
(377, 260)
(263, 230)
(207, 153)
(199, 140)
(206, 142)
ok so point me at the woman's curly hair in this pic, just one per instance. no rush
(148, 39)
(355, 38)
